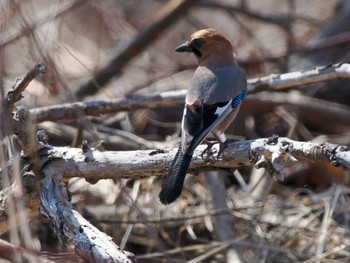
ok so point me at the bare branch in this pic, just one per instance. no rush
(97, 107)
(94, 165)
(15, 94)
(298, 78)
(89, 243)
(19, 122)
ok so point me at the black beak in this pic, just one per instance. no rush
(184, 48)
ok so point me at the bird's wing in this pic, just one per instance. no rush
(214, 115)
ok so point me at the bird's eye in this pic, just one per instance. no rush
(197, 43)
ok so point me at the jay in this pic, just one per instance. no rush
(212, 102)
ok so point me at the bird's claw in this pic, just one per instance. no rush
(208, 151)
(222, 147)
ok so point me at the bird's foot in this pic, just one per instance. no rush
(208, 152)
(223, 146)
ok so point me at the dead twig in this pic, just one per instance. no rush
(15, 94)
(19, 122)
(299, 78)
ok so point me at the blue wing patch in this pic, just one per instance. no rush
(236, 101)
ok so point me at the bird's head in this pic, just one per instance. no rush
(210, 48)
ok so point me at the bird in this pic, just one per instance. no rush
(213, 99)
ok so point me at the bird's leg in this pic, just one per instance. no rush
(221, 137)
(208, 151)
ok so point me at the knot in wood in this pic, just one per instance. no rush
(273, 140)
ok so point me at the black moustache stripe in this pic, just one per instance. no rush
(196, 51)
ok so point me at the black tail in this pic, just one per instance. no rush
(173, 183)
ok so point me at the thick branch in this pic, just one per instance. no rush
(273, 153)
(89, 243)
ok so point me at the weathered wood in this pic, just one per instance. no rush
(279, 152)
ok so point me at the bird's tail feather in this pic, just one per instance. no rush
(173, 183)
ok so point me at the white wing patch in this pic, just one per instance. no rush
(183, 119)
(220, 110)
